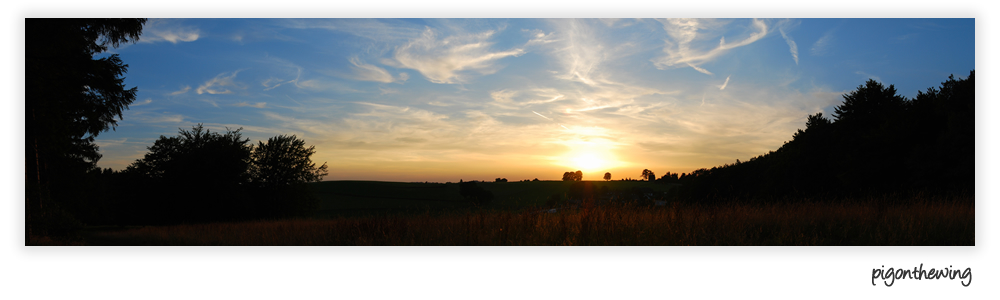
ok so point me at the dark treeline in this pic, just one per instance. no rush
(877, 143)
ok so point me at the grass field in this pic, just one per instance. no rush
(395, 213)
(790, 224)
(347, 198)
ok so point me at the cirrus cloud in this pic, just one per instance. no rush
(219, 84)
(684, 32)
(166, 30)
(367, 72)
(445, 60)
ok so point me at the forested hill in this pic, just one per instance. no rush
(876, 143)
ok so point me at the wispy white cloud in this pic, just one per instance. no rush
(378, 30)
(724, 84)
(220, 84)
(326, 84)
(169, 30)
(181, 91)
(580, 52)
(540, 115)
(680, 51)
(515, 99)
(550, 119)
(108, 142)
(290, 70)
(256, 105)
(821, 46)
(700, 69)
(589, 84)
(409, 134)
(143, 102)
(708, 134)
(445, 60)
(792, 47)
(150, 117)
(617, 23)
(400, 112)
(502, 96)
(539, 37)
(368, 72)
(209, 101)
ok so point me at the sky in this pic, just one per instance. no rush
(476, 99)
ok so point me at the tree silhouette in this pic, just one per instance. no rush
(198, 153)
(198, 175)
(284, 160)
(607, 176)
(280, 169)
(70, 98)
(573, 176)
(648, 175)
(871, 103)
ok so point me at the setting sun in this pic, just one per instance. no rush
(589, 162)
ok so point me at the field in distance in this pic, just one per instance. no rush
(361, 197)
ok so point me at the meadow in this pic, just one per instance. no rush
(353, 198)
(410, 214)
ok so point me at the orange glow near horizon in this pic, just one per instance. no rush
(590, 155)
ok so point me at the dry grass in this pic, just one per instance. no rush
(858, 223)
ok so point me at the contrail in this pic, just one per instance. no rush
(540, 115)
(725, 83)
(550, 119)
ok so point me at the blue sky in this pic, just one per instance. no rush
(444, 99)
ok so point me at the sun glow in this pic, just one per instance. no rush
(590, 151)
(589, 162)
